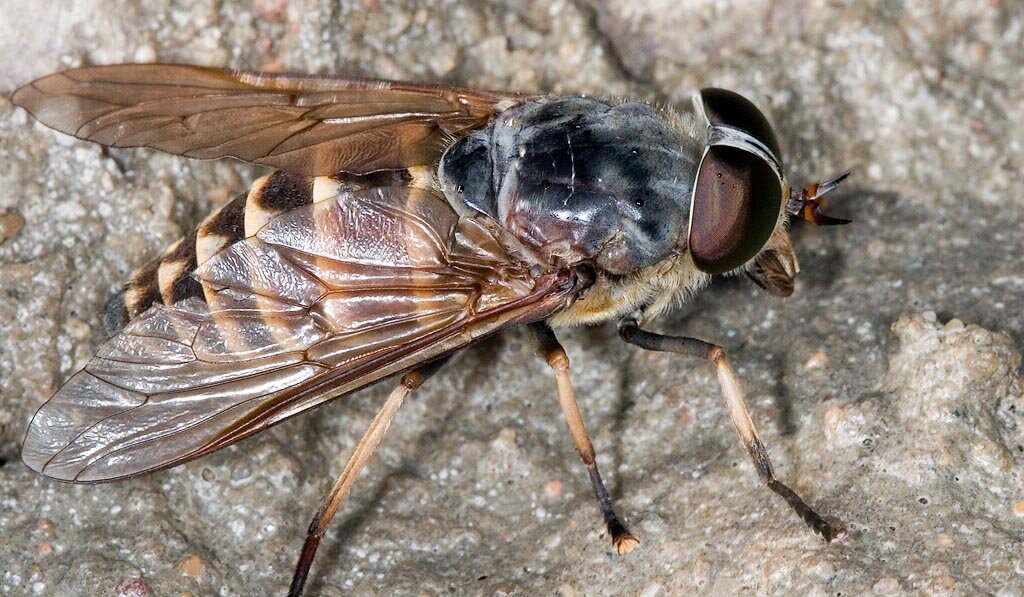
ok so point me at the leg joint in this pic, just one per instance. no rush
(412, 380)
(627, 325)
(557, 359)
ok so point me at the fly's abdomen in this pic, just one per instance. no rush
(168, 278)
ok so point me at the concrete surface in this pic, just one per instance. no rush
(887, 388)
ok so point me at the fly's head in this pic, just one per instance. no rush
(740, 194)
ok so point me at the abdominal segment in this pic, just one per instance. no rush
(168, 279)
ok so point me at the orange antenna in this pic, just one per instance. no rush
(806, 203)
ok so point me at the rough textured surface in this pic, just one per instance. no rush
(876, 402)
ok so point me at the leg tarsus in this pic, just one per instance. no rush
(829, 532)
(623, 541)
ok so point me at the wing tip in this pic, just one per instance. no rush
(42, 465)
(34, 94)
(22, 96)
(48, 108)
(38, 463)
(31, 463)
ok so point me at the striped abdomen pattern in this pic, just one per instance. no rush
(168, 278)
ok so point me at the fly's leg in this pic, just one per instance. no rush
(622, 540)
(630, 331)
(410, 381)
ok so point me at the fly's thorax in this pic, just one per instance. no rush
(580, 181)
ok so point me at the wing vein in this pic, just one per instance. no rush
(81, 100)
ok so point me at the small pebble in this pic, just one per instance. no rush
(191, 566)
(703, 572)
(265, 43)
(886, 586)
(271, 10)
(553, 541)
(978, 51)
(11, 224)
(943, 584)
(835, 416)
(45, 525)
(684, 417)
(1018, 508)
(553, 489)
(877, 248)
(1000, 573)
(816, 361)
(145, 53)
(133, 588)
(77, 329)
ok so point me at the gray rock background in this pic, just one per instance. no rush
(887, 388)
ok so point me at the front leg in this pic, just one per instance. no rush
(630, 331)
(622, 540)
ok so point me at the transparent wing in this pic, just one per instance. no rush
(325, 299)
(313, 125)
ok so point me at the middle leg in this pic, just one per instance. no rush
(622, 540)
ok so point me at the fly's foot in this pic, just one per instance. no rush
(626, 544)
(622, 540)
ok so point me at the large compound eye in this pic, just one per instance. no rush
(736, 201)
(728, 108)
